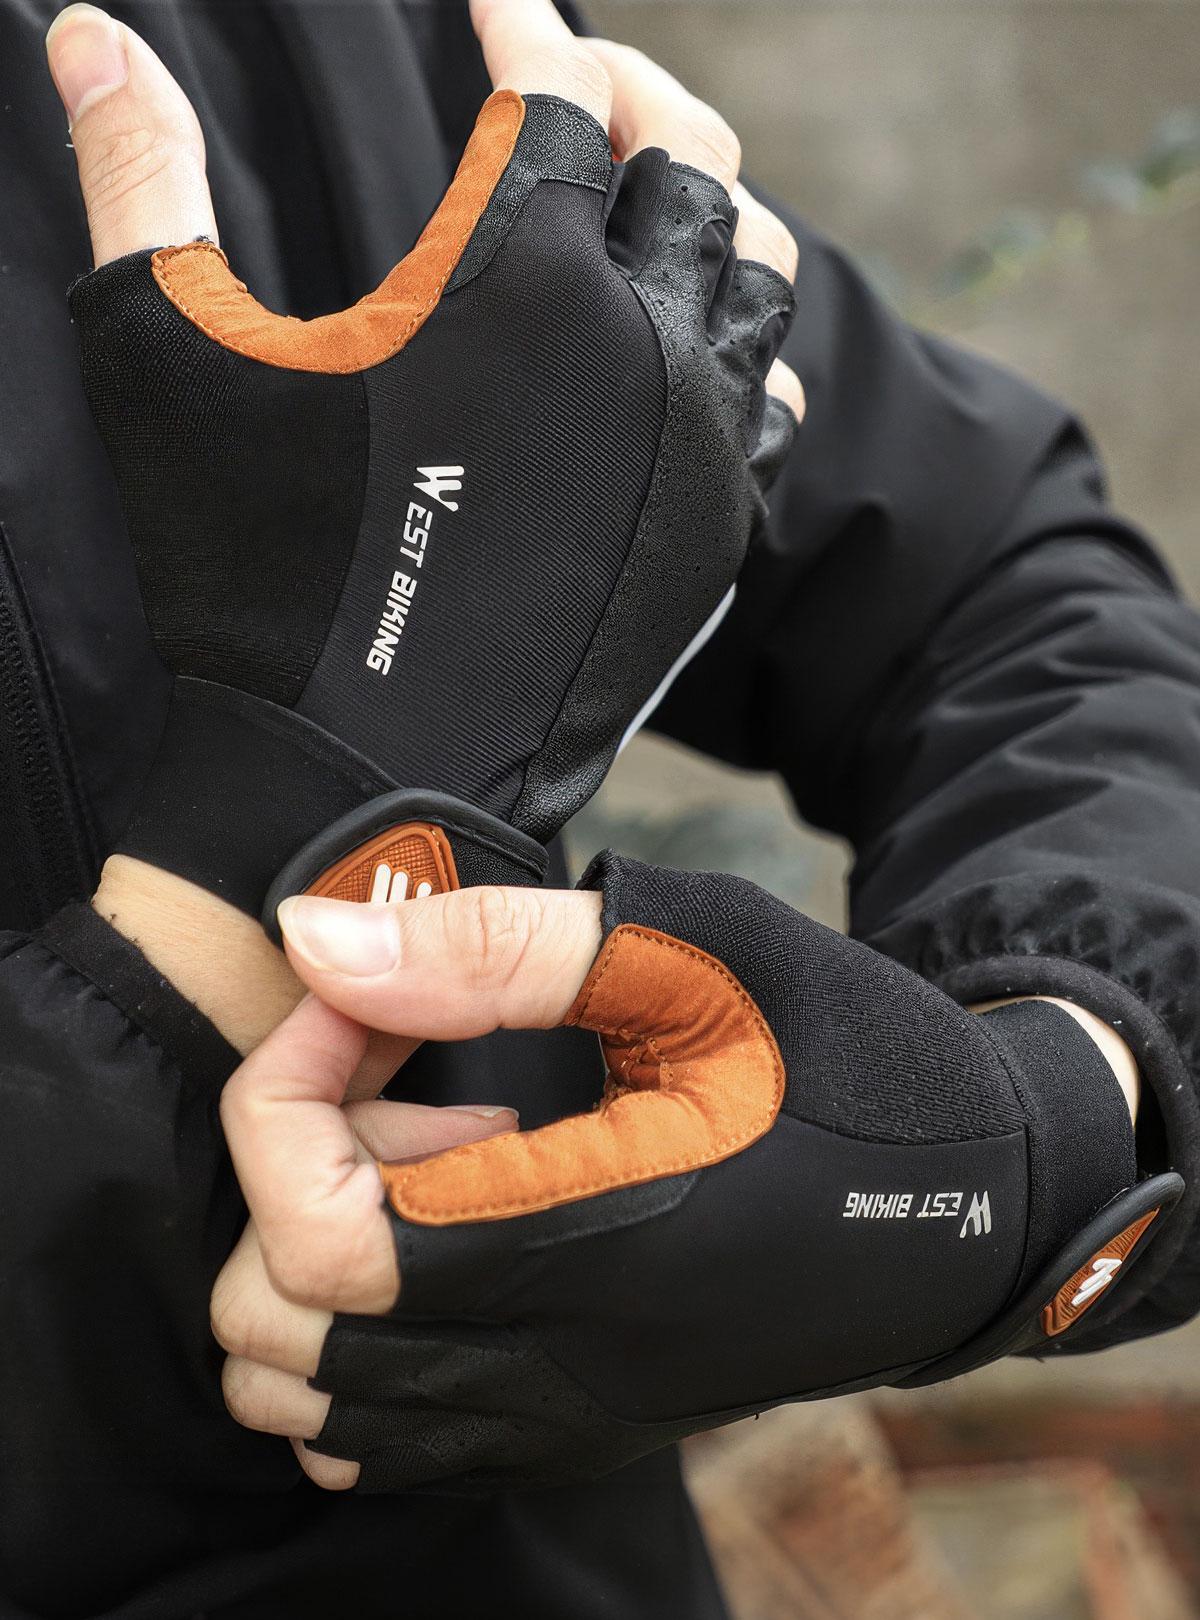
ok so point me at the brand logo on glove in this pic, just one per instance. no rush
(897, 1206)
(418, 523)
(1085, 1286)
(979, 1217)
(437, 481)
(388, 886)
(1102, 1273)
(406, 862)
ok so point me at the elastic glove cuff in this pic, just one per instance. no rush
(1090, 1215)
(1081, 1141)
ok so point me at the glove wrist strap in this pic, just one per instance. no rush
(253, 802)
(1037, 1322)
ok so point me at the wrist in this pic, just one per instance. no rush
(213, 953)
(1114, 1050)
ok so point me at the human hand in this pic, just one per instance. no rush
(811, 1172)
(419, 566)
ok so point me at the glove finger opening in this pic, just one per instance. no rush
(640, 199)
(753, 315)
(775, 435)
(633, 207)
(688, 226)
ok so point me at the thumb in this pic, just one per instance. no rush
(447, 967)
(403, 1131)
(137, 140)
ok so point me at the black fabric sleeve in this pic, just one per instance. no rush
(48, 852)
(963, 661)
(117, 1206)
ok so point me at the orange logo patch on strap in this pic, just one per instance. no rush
(1080, 1292)
(404, 863)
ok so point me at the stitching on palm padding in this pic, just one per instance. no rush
(646, 1171)
(168, 281)
(419, 317)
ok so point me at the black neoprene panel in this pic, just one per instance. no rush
(923, 1189)
(605, 416)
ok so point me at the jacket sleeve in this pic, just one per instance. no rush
(118, 1205)
(963, 661)
(47, 854)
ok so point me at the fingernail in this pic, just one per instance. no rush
(87, 57)
(483, 1111)
(340, 936)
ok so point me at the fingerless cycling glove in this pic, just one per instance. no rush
(811, 1172)
(419, 566)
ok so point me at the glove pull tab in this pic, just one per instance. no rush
(1092, 1279)
(406, 846)
(407, 862)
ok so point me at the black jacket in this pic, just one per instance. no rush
(951, 649)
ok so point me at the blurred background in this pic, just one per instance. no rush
(1023, 175)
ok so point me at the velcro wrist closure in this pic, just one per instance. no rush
(253, 802)
(237, 786)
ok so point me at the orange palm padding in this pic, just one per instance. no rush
(695, 1076)
(198, 281)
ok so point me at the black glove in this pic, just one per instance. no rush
(428, 560)
(811, 1173)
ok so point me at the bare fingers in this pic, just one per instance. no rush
(529, 48)
(137, 140)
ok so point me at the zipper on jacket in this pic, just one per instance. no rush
(47, 851)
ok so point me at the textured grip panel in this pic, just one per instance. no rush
(404, 863)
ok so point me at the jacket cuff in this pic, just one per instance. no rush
(1130, 954)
